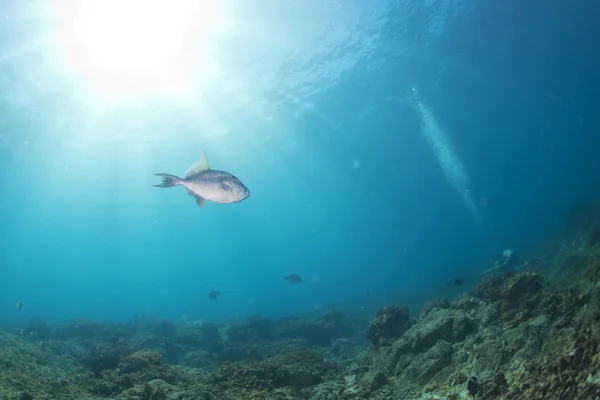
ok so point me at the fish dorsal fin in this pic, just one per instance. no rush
(201, 201)
(201, 164)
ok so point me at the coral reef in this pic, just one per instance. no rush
(150, 359)
(528, 334)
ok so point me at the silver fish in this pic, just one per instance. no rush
(203, 183)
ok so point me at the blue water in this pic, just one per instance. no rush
(389, 146)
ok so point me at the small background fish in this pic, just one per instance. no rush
(293, 278)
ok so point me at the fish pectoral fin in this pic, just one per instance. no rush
(200, 201)
(201, 164)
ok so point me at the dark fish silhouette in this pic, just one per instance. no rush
(458, 281)
(20, 305)
(293, 278)
(203, 183)
(472, 386)
(213, 295)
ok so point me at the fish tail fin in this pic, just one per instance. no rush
(168, 180)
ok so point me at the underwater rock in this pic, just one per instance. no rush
(389, 323)
(33, 370)
(344, 352)
(199, 333)
(425, 366)
(170, 348)
(592, 272)
(432, 305)
(166, 329)
(523, 285)
(249, 376)
(424, 348)
(103, 356)
(147, 341)
(276, 347)
(197, 359)
(462, 326)
(209, 333)
(435, 327)
(313, 332)
(171, 351)
(567, 364)
(233, 351)
(158, 389)
(38, 329)
(441, 324)
(489, 314)
(252, 329)
(140, 371)
(296, 369)
(371, 381)
(517, 295)
(510, 287)
(319, 331)
(139, 360)
(154, 390)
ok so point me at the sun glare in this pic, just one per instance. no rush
(133, 46)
